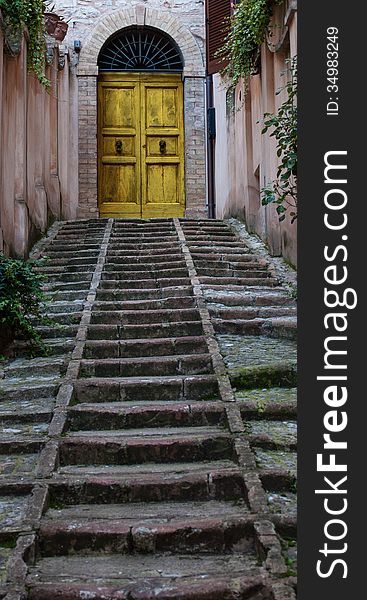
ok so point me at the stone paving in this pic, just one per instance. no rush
(152, 453)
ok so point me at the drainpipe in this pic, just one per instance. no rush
(211, 145)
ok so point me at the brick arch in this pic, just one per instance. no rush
(141, 15)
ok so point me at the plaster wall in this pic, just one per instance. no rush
(34, 146)
(245, 159)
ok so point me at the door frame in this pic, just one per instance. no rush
(144, 78)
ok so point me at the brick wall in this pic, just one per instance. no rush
(93, 22)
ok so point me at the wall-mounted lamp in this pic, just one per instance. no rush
(77, 46)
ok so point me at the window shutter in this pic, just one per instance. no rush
(217, 13)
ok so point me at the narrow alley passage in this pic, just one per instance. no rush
(152, 453)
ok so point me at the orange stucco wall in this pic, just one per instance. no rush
(36, 145)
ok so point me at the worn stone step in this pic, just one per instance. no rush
(112, 303)
(156, 247)
(116, 271)
(29, 389)
(282, 327)
(144, 265)
(250, 312)
(146, 445)
(116, 280)
(48, 332)
(155, 330)
(211, 249)
(239, 258)
(65, 306)
(53, 287)
(116, 577)
(263, 297)
(190, 387)
(239, 281)
(24, 367)
(143, 366)
(34, 410)
(227, 265)
(237, 273)
(145, 347)
(111, 415)
(142, 529)
(106, 288)
(140, 258)
(132, 317)
(147, 482)
(68, 277)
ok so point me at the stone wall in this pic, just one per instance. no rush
(245, 160)
(93, 22)
(37, 144)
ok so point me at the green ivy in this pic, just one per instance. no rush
(29, 13)
(21, 299)
(283, 190)
(246, 32)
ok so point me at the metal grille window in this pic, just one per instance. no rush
(140, 49)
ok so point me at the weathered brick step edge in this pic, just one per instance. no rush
(149, 365)
(146, 347)
(211, 481)
(130, 415)
(148, 330)
(133, 317)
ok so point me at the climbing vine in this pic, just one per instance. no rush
(21, 300)
(283, 190)
(247, 30)
(29, 13)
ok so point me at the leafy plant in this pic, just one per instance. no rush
(283, 190)
(21, 299)
(29, 13)
(247, 30)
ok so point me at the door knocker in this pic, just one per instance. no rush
(118, 146)
(162, 146)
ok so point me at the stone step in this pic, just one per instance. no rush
(147, 482)
(143, 266)
(133, 317)
(156, 247)
(35, 410)
(69, 277)
(31, 388)
(230, 257)
(140, 258)
(146, 529)
(145, 347)
(112, 303)
(106, 288)
(238, 273)
(250, 312)
(23, 368)
(239, 281)
(110, 416)
(145, 445)
(174, 388)
(114, 279)
(147, 366)
(263, 297)
(116, 577)
(214, 250)
(142, 332)
(240, 262)
(282, 327)
(115, 271)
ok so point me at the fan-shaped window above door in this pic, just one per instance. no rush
(140, 49)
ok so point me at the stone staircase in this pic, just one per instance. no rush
(155, 447)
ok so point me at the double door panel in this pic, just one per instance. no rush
(141, 147)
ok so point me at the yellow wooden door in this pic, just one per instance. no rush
(141, 146)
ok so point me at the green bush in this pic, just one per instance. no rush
(21, 300)
(247, 30)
